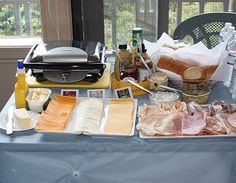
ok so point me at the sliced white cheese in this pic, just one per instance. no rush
(89, 114)
(22, 118)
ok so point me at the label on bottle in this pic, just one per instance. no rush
(21, 90)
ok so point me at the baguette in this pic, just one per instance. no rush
(185, 70)
(173, 65)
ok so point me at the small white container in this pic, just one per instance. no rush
(37, 97)
(164, 97)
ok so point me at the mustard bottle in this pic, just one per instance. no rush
(21, 86)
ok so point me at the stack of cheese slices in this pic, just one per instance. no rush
(120, 117)
(88, 115)
(56, 116)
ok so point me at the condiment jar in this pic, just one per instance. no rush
(130, 72)
(122, 60)
(156, 79)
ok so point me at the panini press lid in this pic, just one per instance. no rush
(66, 55)
(70, 54)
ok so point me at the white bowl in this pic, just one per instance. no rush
(163, 96)
(37, 97)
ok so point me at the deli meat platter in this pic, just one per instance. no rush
(89, 116)
(181, 120)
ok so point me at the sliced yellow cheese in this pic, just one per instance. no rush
(120, 117)
(57, 114)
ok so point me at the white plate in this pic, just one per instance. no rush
(4, 119)
(143, 136)
(103, 120)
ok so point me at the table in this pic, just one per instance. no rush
(35, 157)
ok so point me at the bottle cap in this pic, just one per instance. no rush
(228, 24)
(20, 64)
(122, 46)
(137, 30)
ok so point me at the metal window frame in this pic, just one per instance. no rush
(88, 20)
(163, 16)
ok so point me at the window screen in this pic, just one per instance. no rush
(153, 16)
(20, 18)
(120, 17)
(180, 10)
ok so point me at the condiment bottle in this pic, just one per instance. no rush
(128, 70)
(143, 71)
(122, 60)
(21, 86)
(137, 33)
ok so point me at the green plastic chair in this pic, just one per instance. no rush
(204, 27)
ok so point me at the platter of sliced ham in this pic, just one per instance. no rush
(182, 120)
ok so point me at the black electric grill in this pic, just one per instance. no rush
(66, 61)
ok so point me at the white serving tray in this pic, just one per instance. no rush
(72, 119)
(143, 136)
(103, 121)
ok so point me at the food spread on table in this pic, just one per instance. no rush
(169, 110)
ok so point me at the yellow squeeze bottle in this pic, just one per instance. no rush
(21, 86)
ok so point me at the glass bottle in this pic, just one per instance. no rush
(137, 33)
(123, 59)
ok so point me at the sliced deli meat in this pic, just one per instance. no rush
(179, 119)
(193, 125)
(169, 126)
(160, 119)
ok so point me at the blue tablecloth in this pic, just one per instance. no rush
(35, 157)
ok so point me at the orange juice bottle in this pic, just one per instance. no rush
(21, 87)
